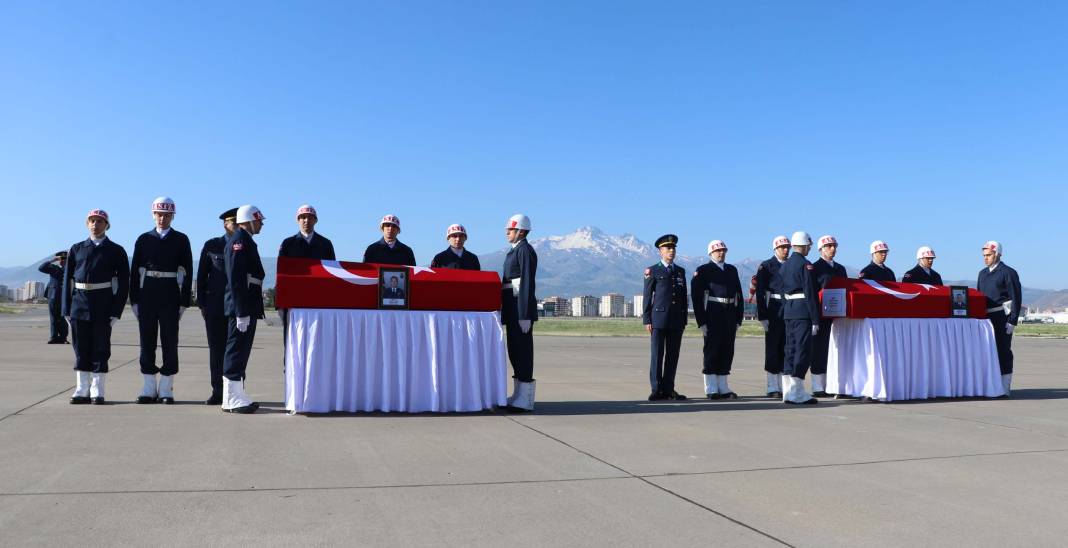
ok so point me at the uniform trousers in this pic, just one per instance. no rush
(238, 348)
(1003, 340)
(821, 344)
(664, 359)
(92, 344)
(719, 348)
(216, 327)
(775, 345)
(164, 324)
(520, 350)
(57, 323)
(798, 347)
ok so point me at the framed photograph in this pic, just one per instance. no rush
(958, 299)
(393, 288)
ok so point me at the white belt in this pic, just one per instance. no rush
(91, 287)
(794, 296)
(774, 296)
(254, 281)
(158, 274)
(512, 284)
(721, 300)
(1005, 307)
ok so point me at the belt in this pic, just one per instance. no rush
(721, 300)
(774, 296)
(793, 296)
(1003, 307)
(91, 287)
(512, 284)
(158, 274)
(254, 281)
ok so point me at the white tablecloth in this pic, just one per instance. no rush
(913, 358)
(394, 360)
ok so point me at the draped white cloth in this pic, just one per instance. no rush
(394, 360)
(913, 358)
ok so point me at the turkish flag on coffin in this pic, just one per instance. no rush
(311, 283)
(871, 299)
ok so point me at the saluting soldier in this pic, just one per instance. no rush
(823, 270)
(211, 289)
(95, 285)
(1001, 285)
(161, 284)
(877, 270)
(519, 310)
(389, 250)
(923, 273)
(716, 291)
(769, 311)
(456, 256)
(54, 292)
(664, 316)
(243, 303)
(801, 311)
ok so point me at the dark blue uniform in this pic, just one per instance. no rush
(664, 300)
(801, 310)
(717, 303)
(393, 293)
(448, 259)
(211, 289)
(769, 307)
(877, 273)
(318, 248)
(822, 271)
(154, 275)
(243, 298)
(380, 253)
(920, 276)
(1003, 293)
(90, 310)
(521, 264)
(54, 294)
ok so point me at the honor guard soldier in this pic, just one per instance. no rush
(305, 244)
(801, 312)
(519, 310)
(54, 293)
(823, 270)
(161, 285)
(389, 250)
(243, 303)
(664, 316)
(716, 292)
(456, 256)
(95, 286)
(922, 273)
(211, 288)
(1001, 285)
(769, 312)
(877, 270)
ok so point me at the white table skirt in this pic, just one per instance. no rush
(394, 360)
(913, 358)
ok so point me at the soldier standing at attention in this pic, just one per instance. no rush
(923, 273)
(1001, 285)
(823, 270)
(244, 306)
(211, 287)
(801, 311)
(769, 312)
(716, 291)
(877, 269)
(456, 256)
(519, 310)
(389, 250)
(664, 317)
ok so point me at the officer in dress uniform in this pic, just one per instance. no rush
(769, 311)
(922, 273)
(877, 269)
(305, 244)
(456, 256)
(801, 312)
(389, 250)
(95, 286)
(161, 285)
(519, 310)
(716, 291)
(664, 316)
(1001, 285)
(54, 293)
(823, 270)
(394, 291)
(243, 303)
(211, 287)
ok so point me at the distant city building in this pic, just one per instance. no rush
(559, 305)
(4, 294)
(33, 290)
(611, 305)
(639, 305)
(20, 294)
(585, 306)
(628, 309)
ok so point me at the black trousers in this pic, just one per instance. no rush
(821, 343)
(1003, 341)
(520, 350)
(238, 349)
(163, 324)
(216, 328)
(57, 323)
(775, 345)
(664, 359)
(92, 345)
(798, 348)
(719, 348)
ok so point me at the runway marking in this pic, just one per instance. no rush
(64, 391)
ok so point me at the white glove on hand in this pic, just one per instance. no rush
(704, 330)
(524, 326)
(242, 323)
(113, 321)
(815, 330)
(181, 310)
(134, 308)
(1009, 328)
(764, 324)
(68, 320)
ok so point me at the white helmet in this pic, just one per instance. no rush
(800, 238)
(390, 220)
(878, 245)
(716, 245)
(455, 229)
(307, 210)
(249, 213)
(995, 247)
(780, 241)
(163, 204)
(827, 239)
(925, 252)
(519, 221)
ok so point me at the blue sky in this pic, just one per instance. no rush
(935, 123)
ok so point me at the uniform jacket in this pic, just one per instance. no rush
(448, 259)
(167, 254)
(823, 272)
(664, 297)
(521, 263)
(797, 278)
(89, 263)
(242, 261)
(297, 246)
(918, 276)
(1001, 286)
(394, 293)
(380, 253)
(767, 283)
(877, 273)
(55, 279)
(711, 281)
(211, 277)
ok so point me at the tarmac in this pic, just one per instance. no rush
(595, 465)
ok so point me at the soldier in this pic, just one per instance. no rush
(1001, 285)
(211, 288)
(922, 273)
(716, 291)
(306, 244)
(877, 270)
(769, 312)
(519, 310)
(389, 250)
(161, 284)
(456, 256)
(243, 303)
(664, 316)
(94, 294)
(823, 270)
(801, 312)
(54, 293)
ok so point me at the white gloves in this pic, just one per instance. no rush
(524, 326)
(764, 324)
(68, 320)
(134, 307)
(1009, 328)
(704, 330)
(113, 321)
(242, 323)
(181, 310)
(815, 330)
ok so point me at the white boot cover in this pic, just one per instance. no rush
(149, 390)
(515, 390)
(774, 383)
(819, 383)
(1006, 383)
(525, 397)
(81, 389)
(234, 394)
(96, 390)
(798, 394)
(722, 382)
(166, 386)
(787, 386)
(711, 385)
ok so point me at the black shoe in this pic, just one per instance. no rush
(656, 396)
(674, 396)
(866, 399)
(146, 399)
(777, 395)
(65, 341)
(821, 394)
(79, 400)
(811, 401)
(715, 396)
(246, 410)
(54, 341)
(844, 397)
(514, 409)
(167, 401)
(215, 399)
(99, 400)
(728, 396)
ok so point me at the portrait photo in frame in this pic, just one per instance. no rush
(958, 299)
(393, 288)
